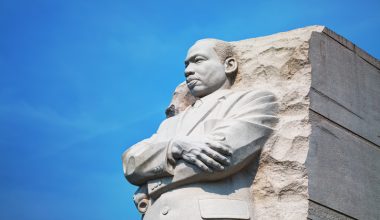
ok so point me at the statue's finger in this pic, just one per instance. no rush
(203, 166)
(198, 163)
(220, 148)
(210, 162)
(217, 156)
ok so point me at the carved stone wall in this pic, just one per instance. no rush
(323, 161)
(280, 63)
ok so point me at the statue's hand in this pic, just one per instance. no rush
(207, 155)
(141, 199)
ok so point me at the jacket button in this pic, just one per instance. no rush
(165, 210)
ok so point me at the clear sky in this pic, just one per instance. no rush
(82, 80)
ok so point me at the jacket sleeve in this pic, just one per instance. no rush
(147, 159)
(246, 126)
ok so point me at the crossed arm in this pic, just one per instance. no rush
(227, 146)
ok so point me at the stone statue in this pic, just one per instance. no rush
(202, 160)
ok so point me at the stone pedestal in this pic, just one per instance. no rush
(323, 162)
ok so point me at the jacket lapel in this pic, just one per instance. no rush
(200, 114)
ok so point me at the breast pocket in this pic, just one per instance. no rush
(219, 208)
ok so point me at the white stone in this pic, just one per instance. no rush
(321, 161)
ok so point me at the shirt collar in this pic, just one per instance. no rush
(213, 96)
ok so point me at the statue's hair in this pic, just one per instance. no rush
(222, 48)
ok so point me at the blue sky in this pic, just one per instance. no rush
(83, 80)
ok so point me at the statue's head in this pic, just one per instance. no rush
(210, 66)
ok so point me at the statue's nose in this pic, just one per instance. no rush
(188, 72)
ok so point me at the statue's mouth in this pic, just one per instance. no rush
(191, 83)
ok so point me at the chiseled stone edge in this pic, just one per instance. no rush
(321, 212)
(351, 46)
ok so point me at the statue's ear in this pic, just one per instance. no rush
(230, 66)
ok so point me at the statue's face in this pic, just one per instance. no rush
(204, 71)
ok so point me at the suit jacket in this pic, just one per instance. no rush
(240, 120)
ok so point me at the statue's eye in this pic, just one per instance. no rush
(198, 60)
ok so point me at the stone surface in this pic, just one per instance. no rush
(323, 160)
(345, 87)
(343, 170)
(321, 212)
(316, 72)
(201, 162)
(344, 152)
(280, 63)
(182, 98)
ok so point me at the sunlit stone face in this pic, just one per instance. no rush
(204, 71)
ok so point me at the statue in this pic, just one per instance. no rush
(203, 159)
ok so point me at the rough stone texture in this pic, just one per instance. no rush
(280, 64)
(181, 99)
(323, 160)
